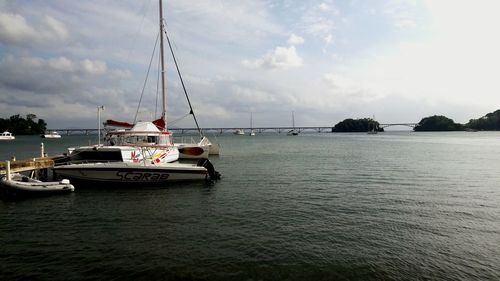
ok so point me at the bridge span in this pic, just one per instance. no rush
(411, 125)
(218, 130)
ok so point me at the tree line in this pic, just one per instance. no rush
(18, 125)
(489, 122)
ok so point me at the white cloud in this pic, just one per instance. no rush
(93, 67)
(280, 58)
(320, 20)
(242, 21)
(295, 40)
(404, 14)
(337, 81)
(324, 7)
(405, 23)
(15, 30)
(328, 39)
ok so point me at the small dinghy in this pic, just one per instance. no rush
(19, 185)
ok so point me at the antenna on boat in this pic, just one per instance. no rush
(99, 108)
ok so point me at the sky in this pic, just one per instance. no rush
(397, 61)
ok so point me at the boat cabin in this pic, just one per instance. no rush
(142, 134)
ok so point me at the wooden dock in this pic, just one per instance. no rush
(27, 165)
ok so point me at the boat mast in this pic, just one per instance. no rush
(162, 62)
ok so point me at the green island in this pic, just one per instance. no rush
(437, 123)
(357, 125)
(18, 125)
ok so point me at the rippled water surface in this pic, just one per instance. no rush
(392, 206)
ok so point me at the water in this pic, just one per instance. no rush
(392, 206)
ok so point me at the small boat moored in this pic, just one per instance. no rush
(51, 135)
(7, 136)
(18, 185)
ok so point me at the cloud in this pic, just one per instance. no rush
(328, 39)
(295, 40)
(49, 87)
(324, 7)
(404, 14)
(15, 30)
(320, 20)
(280, 58)
(51, 75)
(243, 21)
(337, 81)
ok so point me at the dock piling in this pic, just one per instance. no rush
(7, 167)
(42, 150)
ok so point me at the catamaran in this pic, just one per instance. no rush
(142, 155)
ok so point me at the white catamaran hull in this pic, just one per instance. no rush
(128, 173)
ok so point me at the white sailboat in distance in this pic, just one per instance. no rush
(252, 131)
(293, 131)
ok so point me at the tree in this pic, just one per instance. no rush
(20, 126)
(438, 123)
(31, 117)
(490, 121)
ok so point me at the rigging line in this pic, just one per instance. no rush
(146, 80)
(179, 119)
(182, 82)
(157, 87)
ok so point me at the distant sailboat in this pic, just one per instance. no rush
(252, 132)
(372, 130)
(293, 132)
(239, 132)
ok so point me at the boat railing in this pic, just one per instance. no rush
(184, 139)
(69, 162)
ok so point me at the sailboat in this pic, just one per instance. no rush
(239, 132)
(372, 130)
(252, 132)
(141, 154)
(293, 132)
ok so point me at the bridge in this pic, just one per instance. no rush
(411, 125)
(218, 130)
